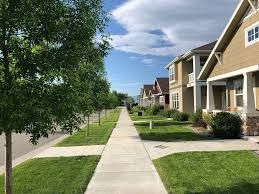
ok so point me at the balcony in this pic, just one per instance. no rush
(191, 78)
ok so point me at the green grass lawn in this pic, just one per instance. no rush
(210, 172)
(135, 117)
(169, 131)
(53, 175)
(98, 134)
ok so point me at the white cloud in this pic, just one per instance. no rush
(170, 27)
(147, 61)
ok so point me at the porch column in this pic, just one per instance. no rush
(197, 86)
(210, 98)
(197, 96)
(248, 93)
(196, 66)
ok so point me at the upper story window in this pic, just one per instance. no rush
(171, 73)
(252, 34)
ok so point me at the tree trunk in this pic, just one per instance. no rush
(99, 118)
(8, 163)
(88, 126)
(106, 114)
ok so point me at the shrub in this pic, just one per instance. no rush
(168, 113)
(226, 125)
(181, 116)
(207, 118)
(148, 111)
(155, 110)
(195, 117)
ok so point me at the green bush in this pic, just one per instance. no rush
(226, 125)
(148, 111)
(168, 113)
(155, 110)
(181, 116)
(195, 117)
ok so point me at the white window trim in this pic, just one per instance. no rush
(247, 44)
(235, 100)
(173, 80)
(175, 93)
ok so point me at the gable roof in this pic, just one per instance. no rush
(225, 37)
(163, 83)
(147, 88)
(207, 48)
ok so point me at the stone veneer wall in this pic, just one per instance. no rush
(251, 126)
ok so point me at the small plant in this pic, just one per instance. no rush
(197, 119)
(226, 125)
(168, 113)
(181, 116)
(207, 118)
(155, 110)
(197, 116)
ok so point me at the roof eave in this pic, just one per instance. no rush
(202, 73)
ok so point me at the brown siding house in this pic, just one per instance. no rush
(235, 61)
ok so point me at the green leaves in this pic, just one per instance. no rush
(51, 64)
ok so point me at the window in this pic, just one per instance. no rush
(238, 91)
(175, 100)
(161, 100)
(252, 34)
(171, 73)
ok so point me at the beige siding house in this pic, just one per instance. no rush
(235, 61)
(160, 92)
(145, 99)
(187, 93)
(156, 94)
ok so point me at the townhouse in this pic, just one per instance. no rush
(187, 93)
(156, 94)
(235, 61)
(144, 100)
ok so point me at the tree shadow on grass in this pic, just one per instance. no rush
(173, 137)
(240, 188)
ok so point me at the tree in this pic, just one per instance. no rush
(100, 91)
(122, 98)
(43, 44)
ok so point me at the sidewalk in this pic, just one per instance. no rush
(125, 166)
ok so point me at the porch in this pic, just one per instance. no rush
(238, 96)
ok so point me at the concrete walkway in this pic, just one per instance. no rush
(71, 151)
(160, 149)
(125, 166)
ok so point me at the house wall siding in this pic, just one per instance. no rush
(236, 55)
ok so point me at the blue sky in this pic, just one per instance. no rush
(147, 36)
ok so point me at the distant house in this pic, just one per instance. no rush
(235, 61)
(144, 99)
(160, 92)
(187, 93)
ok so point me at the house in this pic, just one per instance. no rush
(160, 92)
(187, 93)
(144, 100)
(235, 61)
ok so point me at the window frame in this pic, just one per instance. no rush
(253, 28)
(238, 94)
(175, 101)
(172, 75)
